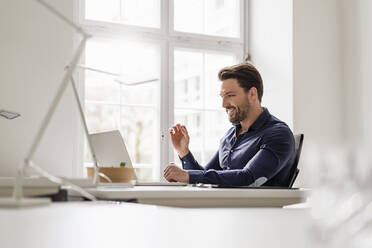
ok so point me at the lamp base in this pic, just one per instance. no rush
(9, 202)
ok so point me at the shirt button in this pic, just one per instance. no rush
(227, 168)
(231, 151)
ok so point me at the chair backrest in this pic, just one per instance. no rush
(299, 139)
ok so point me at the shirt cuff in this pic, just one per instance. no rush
(188, 159)
(196, 176)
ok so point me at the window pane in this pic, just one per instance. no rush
(215, 126)
(144, 13)
(192, 120)
(135, 62)
(195, 78)
(197, 100)
(110, 104)
(209, 17)
(188, 72)
(101, 117)
(101, 88)
(137, 125)
(213, 63)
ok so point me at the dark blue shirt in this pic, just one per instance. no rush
(263, 155)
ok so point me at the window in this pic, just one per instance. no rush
(176, 48)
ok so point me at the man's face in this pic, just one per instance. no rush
(235, 100)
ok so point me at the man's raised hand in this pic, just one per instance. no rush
(180, 139)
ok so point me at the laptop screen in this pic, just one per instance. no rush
(110, 149)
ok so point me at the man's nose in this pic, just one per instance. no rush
(224, 102)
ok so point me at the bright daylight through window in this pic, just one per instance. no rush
(182, 44)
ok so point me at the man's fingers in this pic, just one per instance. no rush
(169, 176)
(169, 169)
(179, 127)
(174, 130)
(184, 131)
(166, 176)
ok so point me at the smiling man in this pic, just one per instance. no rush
(259, 148)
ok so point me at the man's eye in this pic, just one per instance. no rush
(230, 95)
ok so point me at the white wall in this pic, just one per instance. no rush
(356, 24)
(298, 48)
(322, 49)
(34, 49)
(270, 47)
(317, 61)
(332, 71)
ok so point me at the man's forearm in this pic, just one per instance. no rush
(189, 162)
(183, 153)
(222, 177)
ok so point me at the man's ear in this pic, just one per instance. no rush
(253, 94)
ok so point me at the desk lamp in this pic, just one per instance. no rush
(18, 199)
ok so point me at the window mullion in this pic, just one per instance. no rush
(244, 22)
(203, 113)
(166, 94)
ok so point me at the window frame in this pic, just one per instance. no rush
(168, 40)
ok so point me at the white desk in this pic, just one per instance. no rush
(91, 225)
(188, 196)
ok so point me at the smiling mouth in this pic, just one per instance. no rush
(230, 111)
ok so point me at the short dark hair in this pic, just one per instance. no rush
(247, 76)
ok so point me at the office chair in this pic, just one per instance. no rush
(299, 139)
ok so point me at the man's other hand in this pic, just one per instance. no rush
(175, 174)
(180, 139)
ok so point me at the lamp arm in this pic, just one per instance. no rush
(117, 77)
(27, 163)
(18, 187)
(82, 117)
(136, 83)
(63, 18)
(98, 70)
(61, 181)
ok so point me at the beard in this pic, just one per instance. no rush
(238, 113)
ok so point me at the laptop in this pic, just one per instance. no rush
(110, 149)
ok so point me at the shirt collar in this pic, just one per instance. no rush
(258, 123)
(261, 120)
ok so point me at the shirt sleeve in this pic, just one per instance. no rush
(276, 150)
(190, 163)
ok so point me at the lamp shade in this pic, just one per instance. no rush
(8, 114)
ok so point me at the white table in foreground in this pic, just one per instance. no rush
(189, 196)
(97, 225)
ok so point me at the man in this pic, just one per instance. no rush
(259, 148)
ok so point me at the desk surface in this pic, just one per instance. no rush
(102, 224)
(188, 196)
